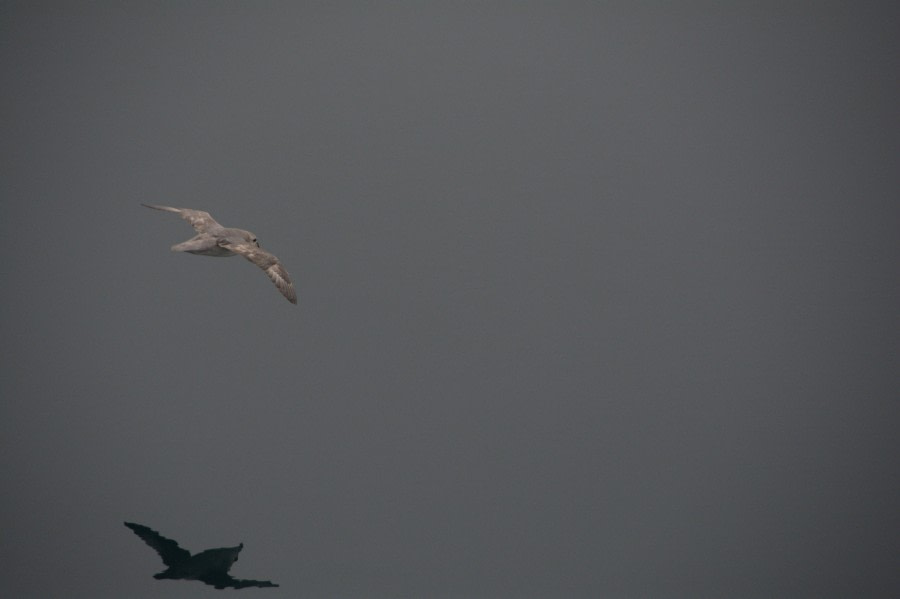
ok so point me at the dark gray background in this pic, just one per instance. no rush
(596, 299)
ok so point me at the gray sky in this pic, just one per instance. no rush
(596, 300)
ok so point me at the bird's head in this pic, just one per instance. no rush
(251, 238)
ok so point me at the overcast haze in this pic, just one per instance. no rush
(594, 300)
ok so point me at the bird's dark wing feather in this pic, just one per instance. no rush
(222, 581)
(266, 261)
(200, 220)
(167, 549)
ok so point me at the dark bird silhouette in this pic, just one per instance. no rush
(212, 239)
(210, 566)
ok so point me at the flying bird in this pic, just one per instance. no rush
(210, 566)
(212, 239)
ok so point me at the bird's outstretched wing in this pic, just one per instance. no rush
(266, 261)
(200, 220)
(167, 549)
(222, 581)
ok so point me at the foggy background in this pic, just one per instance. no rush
(596, 299)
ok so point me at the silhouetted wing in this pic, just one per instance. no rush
(167, 549)
(201, 221)
(222, 581)
(266, 261)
